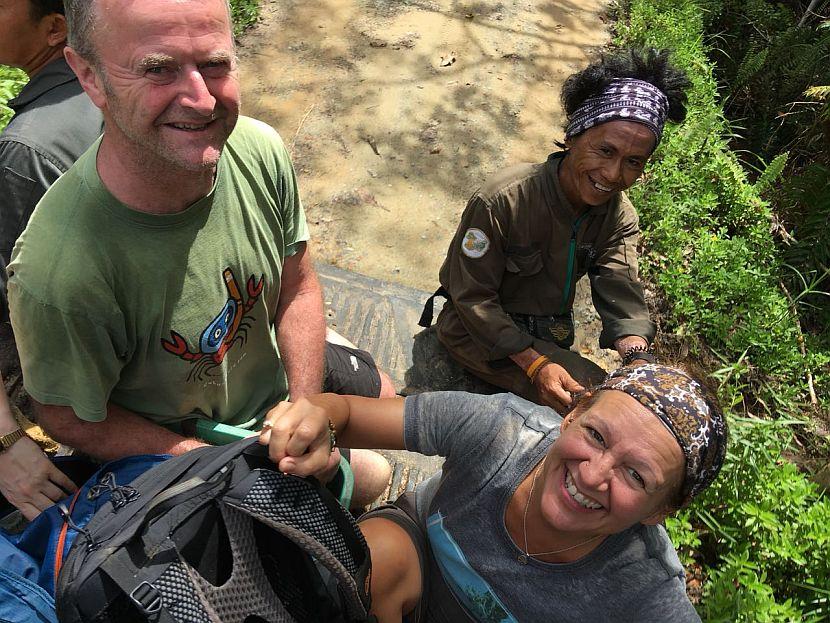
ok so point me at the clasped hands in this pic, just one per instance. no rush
(297, 436)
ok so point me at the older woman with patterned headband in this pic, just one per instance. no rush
(534, 517)
(531, 231)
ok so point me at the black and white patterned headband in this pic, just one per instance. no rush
(626, 99)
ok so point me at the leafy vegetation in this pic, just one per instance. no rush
(244, 13)
(11, 81)
(771, 62)
(760, 535)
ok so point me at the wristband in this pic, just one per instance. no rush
(538, 370)
(534, 368)
(638, 352)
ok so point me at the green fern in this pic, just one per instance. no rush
(753, 62)
(820, 93)
(771, 173)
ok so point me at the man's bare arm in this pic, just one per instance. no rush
(123, 433)
(301, 330)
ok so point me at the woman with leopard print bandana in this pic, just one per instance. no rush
(534, 517)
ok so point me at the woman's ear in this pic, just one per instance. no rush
(580, 400)
(573, 414)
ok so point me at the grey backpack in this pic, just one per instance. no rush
(218, 535)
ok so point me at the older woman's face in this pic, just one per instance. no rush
(614, 465)
(604, 160)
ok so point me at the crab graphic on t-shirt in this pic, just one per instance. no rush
(226, 329)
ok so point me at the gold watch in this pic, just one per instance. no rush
(8, 440)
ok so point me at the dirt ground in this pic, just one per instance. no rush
(395, 111)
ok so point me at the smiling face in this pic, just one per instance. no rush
(604, 160)
(614, 465)
(166, 79)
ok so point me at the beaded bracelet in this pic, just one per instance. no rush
(332, 437)
(639, 351)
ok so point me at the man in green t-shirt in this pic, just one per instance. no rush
(165, 277)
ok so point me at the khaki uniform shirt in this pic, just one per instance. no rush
(510, 255)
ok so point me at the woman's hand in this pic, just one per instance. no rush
(556, 386)
(297, 436)
(29, 480)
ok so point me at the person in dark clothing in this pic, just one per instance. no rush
(530, 232)
(54, 122)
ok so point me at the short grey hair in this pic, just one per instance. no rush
(80, 24)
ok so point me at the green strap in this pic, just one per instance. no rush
(566, 295)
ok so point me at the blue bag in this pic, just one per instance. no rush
(47, 539)
(21, 599)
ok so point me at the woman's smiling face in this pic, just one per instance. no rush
(615, 464)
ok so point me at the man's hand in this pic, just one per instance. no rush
(297, 436)
(555, 386)
(29, 480)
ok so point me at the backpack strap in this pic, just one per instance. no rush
(62, 535)
(143, 594)
(170, 587)
(308, 515)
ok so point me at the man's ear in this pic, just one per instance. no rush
(87, 76)
(55, 25)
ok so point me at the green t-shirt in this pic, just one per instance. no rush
(170, 315)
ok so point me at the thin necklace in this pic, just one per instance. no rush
(523, 558)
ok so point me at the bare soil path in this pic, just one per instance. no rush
(396, 110)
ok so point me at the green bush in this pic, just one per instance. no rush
(244, 13)
(11, 81)
(766, 526)
(761, 532)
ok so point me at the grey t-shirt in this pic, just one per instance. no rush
(491, 443)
